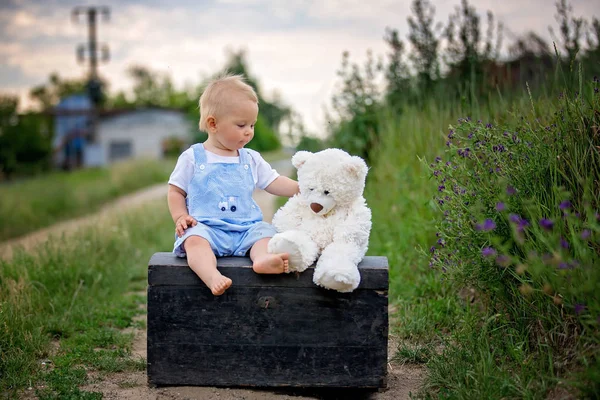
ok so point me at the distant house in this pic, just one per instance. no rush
(119, 134)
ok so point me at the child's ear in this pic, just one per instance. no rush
(300, 158)
(211, 123)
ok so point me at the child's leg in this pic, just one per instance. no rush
(203, 262)
(265, 262)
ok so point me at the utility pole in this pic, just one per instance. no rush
(94, 84)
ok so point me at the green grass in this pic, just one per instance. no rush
(471, 348)
(79, 293)
(39, 202)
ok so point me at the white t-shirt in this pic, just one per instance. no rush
(183, 173)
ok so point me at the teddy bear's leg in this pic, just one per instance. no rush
(301, 249)
(337, 267)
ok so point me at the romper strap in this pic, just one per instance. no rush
(244, 157)
(199, 154)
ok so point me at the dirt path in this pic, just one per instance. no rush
(402, 379)
(34, 239)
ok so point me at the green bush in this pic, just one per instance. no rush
(310, 143)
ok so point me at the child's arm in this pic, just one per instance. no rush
(283, 186)
(178, 210)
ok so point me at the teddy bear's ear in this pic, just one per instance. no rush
(300, 158)
(357, 167)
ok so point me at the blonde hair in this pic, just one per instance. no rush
(216, 96)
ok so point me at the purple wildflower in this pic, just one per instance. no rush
(441, 188)
(488, 125)
(448, 163)
(441, 242)
(451, 134)
(432, 249)
(436, 173)
(500, 206)
(565, 204)
(470, 136)
(438, 159)
(585, 234)
(488, 225)
(546, 224)
(522, 223)
(564, 265)
(488, 252)
(579, 308)
(563, 243)
(510, 190)
(503, 260)
(448, 143)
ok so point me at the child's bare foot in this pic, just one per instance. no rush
(272, 264)
(218, 283)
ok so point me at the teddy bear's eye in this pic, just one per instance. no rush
(311, 189)
(326, 192)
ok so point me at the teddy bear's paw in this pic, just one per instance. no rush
(280, 244)
(341, 282)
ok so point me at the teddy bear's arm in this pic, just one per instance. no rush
(355, 230)
(288, 217)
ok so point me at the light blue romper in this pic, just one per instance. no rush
(220, 198)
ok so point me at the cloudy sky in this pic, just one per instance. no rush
(293, 46)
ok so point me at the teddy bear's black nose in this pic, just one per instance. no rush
(316, 207)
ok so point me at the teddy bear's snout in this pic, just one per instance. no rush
(316, 207)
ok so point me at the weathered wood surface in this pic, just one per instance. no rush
(165, 269)
(274, 332)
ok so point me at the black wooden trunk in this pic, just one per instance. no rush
(266, 330)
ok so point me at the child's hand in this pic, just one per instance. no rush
(183, 223)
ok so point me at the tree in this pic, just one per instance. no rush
(24, 140)
(571, 30)
(49, 94)
(396, 73)
(467, 51)
(356, 104)
(424, 43)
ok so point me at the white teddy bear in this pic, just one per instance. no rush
(329, 217)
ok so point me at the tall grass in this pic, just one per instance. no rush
(475, 345)
(36, 203)
(75, 291)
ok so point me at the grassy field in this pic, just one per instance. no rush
(68, 302)
(35, 203)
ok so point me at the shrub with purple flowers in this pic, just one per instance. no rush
(519, 216)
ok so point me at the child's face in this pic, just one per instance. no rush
(236, 128)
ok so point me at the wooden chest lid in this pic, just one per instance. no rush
(165, 269)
